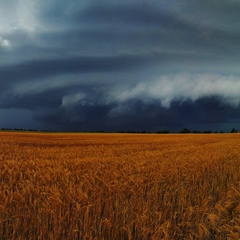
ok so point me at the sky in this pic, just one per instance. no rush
(120, 65)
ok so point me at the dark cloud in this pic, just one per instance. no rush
(119, 65)
(137, 115)
(44, 68)
(32, 101)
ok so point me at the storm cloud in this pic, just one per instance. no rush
(70, 65)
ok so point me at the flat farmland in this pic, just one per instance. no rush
(119, 186)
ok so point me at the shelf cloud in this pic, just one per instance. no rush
(70, 65)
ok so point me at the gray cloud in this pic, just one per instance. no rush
(114, 65)
(172, 101)
(184, 86)
(44, 68)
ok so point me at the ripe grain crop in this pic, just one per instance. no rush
(119, 186)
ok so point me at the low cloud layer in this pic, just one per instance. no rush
(71, 65)
(185, 86)
(171, 101)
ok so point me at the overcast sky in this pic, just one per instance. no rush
(119, 65)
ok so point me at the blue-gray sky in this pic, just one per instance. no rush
(118, 65)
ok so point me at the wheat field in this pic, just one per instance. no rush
(119, 186)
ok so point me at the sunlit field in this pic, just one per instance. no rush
(119, 186)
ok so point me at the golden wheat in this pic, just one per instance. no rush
(119, 186)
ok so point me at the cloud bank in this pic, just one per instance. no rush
(82, 65)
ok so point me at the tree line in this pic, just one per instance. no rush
(182, 131)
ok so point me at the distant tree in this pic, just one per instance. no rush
(121, 131)
(130, 131)
(207, 131)
(185, 130)
(163, 132)
(196, 131)
(233, 130)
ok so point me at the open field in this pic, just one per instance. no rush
(119, 186)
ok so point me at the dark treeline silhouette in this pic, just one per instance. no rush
(183, 131)
(186, 130)
(18, 129)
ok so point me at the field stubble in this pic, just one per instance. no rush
(119, 186)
